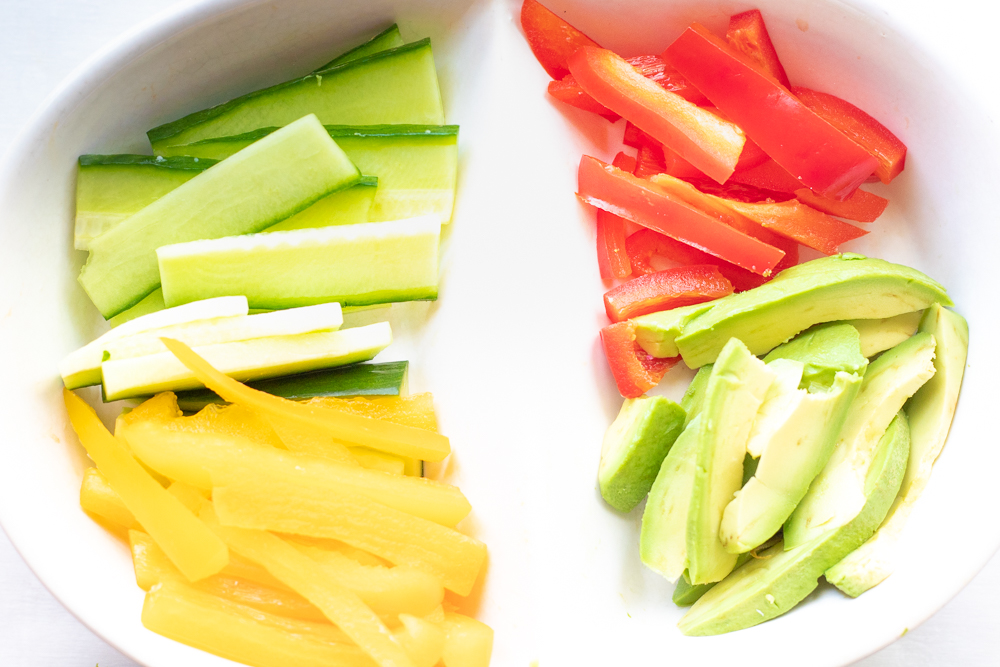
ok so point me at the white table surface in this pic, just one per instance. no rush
(41, 41)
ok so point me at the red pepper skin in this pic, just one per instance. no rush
(864, 130)
(861, 206)
(653, 158)
(634, 370)
(769, 175)
(748, 35)
(612, 257)
(818, 154)
(663, 290)
(798, 222)
(642, 202)
(568, 91)
(645, 243)
(710, 143)
(649, 160)
(551, 39)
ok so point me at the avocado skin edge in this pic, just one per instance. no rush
(787, 577)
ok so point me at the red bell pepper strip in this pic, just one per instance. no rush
(663, 290)
(752, 156)
(551, 39)
(654, 158)
(864, 130)
(649, 160)
(568, 91)
(769, 175)
(604, 186)
(748, 35)
(612, 257)
(645, 243)
(861, 206)
(739, 191)
(799, 222)
(703, 139)
(810, 148)
(634, 370)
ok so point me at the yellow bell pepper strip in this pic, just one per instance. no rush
(98, 498)
(348, 428)
(397, 536)
(190, 545)
(468, 642)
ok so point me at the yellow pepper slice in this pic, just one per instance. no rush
(423, 640)
(399, 537)
(98, 498)
(190, 545)
(304, 576)
(349, 428)
(468, 643)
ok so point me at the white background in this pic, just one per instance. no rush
(41, 42)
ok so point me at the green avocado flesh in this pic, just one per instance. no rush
(837, 494)
(275, 178)
(417, 165)
(385, 379)
(825, 350)
(733, 395)
(110, 188)
(395, 86)
(387, 39)
(879, 335)
(355, 265)
(245, 360)
(841, 287)
(930, 411)
(634, 448)
(778, 579)
(656, 332)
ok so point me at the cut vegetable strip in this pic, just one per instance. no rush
(867, 132)
(796, 221)
(384, 436)
(345, 207)
(568, 91)
(612, 258)
(709, 143)
(204, 460)
(191, 546)
(110, 188)
(551, 39)
(644, 203)
(385, 379)
(769, 175)
(395, 86)
(355, 265)
(97, 497)
(246, 359)
(399, 537)
(385, 40)
(663, 290)
(823, 158)
(861, 206)
(269, 181)
(748, 35)
(244, 634)
(635, 371)
(307, 578)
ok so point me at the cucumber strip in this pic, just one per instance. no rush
(246, 360)
(346, 207)
(387, 39)
(395, 86)
(83, 367)
(356, 265)
(110, 188)
(207, 309)
(149, 304)
(417, 165)
(386, 379)
(275, 178)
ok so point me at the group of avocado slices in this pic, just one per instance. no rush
(821, 402)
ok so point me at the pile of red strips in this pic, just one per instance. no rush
(734, 168)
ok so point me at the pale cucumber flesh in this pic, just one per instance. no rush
(272, 180)
(387, 39)
(395, 86)
(355, 265)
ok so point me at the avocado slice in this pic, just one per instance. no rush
(880, 335)
(778, 579)
(797, 450)
(931, 411)
(736, 388)
(663, 538)
(656, 332)
(825, 350)
(694, 396)
(836, 495)
(779, 403)
(822, 290)
(634, 448)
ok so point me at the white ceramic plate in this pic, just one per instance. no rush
(510, 349)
